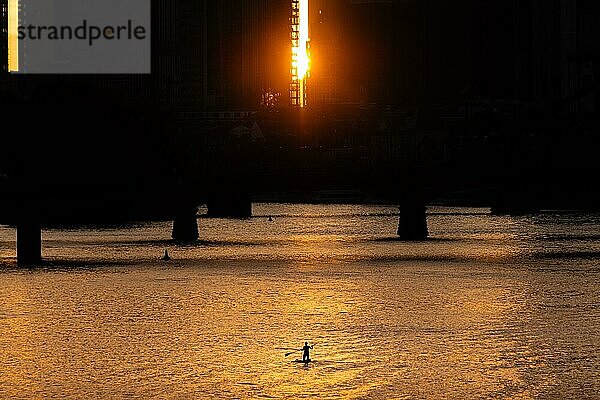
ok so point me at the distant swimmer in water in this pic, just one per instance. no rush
(270, 219)
(306, 352)
(166, 257)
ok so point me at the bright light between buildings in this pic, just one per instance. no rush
(300, 52)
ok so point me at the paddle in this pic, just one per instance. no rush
(296, 350)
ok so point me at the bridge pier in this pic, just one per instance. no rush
(29, 243)
(185, 224)
(413, 219)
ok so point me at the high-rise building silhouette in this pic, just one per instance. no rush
(247, 51)
(363, 51)
(536, 51)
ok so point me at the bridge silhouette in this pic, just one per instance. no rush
(517, 162)
(77, 155)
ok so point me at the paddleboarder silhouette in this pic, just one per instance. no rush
(306, 352)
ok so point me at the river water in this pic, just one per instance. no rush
(490, 307)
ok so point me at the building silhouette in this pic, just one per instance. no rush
(363, 51)
(248, 52)
(535, 51)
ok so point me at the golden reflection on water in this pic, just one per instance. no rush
(474, 315)
(182, 332)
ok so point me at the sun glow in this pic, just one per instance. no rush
(303, 59)
(300, 69)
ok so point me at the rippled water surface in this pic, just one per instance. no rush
(490, 307)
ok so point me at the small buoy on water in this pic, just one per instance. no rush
(166, 257)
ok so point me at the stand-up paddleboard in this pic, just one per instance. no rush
(303, 362)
